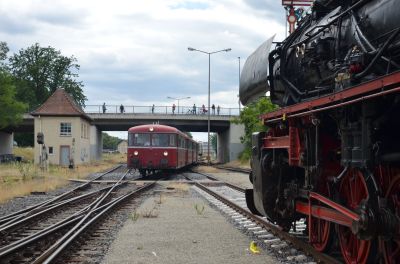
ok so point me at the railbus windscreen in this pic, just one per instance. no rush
(139, 139)
(163, 140)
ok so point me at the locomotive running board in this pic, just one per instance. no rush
(377, 87)
(336, 213)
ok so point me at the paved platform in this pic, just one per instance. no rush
(179, 234)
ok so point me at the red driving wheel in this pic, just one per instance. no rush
(353, 189)
(321, 229)
(391, 248)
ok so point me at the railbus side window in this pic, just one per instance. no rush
(181, 142)
(172, 140)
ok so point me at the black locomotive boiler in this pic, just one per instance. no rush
(331, 153)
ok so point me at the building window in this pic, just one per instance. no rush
(51, 151)
(84, 130)
(65, 129)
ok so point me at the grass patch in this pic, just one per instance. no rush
(199, 208)
(19, 179)
(114, 157)
(134, 216)
(149, 213)
(26, 153)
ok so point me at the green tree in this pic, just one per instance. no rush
(3, 50)
(249, 117)
(188, 134)
(11, 110)
(110, 142)
(39, 71)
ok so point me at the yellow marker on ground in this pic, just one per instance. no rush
(254, 248)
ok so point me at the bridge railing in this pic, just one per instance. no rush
(163, 110)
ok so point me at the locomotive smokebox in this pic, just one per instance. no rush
(253, 79)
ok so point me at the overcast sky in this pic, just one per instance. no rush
(135, 52)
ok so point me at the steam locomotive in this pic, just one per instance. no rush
(331, 153)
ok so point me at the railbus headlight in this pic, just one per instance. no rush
(135, 153)
(165, 153)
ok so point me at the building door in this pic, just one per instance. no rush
(64, 155)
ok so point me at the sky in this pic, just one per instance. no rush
(135, 52)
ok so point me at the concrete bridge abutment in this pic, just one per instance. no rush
(228, 143)
(6, 143)
(96, 143)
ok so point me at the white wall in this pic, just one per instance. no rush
(50, 127)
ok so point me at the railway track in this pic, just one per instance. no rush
(289, 246)
(80, 189)
(232, 168)
(44, 232)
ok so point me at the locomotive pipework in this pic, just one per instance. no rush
(335, 48)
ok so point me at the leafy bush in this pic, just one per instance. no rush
(250, 118)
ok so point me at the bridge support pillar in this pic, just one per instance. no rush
(6, 143)
(96, 143)
(228, 143)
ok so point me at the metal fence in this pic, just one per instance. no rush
(163, 110)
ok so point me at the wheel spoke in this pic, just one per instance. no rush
(353, 190)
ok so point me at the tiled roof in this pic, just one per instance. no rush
(60, 103)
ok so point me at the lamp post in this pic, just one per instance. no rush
(239, 84)
(209, 75)
(178, 99)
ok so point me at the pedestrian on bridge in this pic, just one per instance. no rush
(203, 110)
(218, 108)
(213, 109)
(122, 109)
(194, 109)
(173, 109)
(104, 108)
(152, 109)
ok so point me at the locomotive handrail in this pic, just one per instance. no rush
(329, 23)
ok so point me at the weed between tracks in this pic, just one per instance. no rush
(199, 208)
(145, 213)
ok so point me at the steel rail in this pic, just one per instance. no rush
(66, 222)
(8, 219)
(307, 248)
(233, 169)
(233, 186)
(49, 209)
(51, 253)
(54, 252)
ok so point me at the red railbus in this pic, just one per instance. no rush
(159, 147)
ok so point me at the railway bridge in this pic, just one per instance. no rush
(113, 119)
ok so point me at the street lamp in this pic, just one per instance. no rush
(178, 99)
(209, 72)
(239, 84)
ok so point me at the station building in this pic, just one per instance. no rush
(123, 147)
(69, 138)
